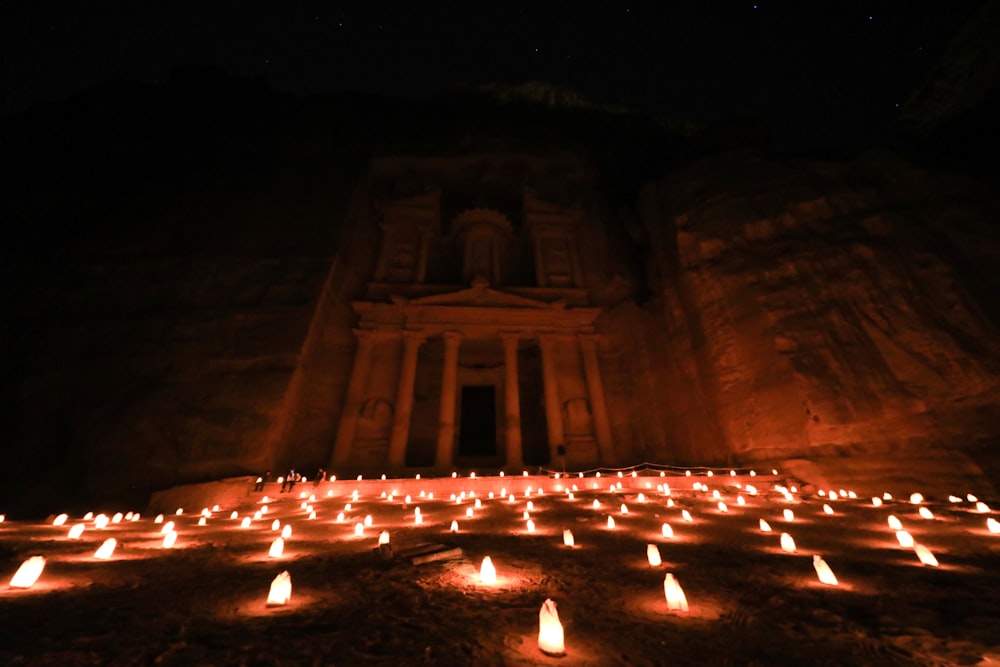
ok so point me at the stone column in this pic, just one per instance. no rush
(404, 399)
(598, 406)
(553, 409)
(449, 386)
(512, 400)
(355, 395)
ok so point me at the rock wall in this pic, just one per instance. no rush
(814, 307)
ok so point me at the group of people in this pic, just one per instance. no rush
(289, 481)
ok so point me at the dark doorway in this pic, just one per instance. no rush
(478, 434)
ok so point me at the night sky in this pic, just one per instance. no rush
(816, 70)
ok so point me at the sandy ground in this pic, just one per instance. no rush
(203, 601)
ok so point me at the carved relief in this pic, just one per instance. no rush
(557, 258)
(402, 256)
(374, 420)
(578, 419)
(483, 233)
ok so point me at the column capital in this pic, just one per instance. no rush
(452, 337)
(510, 337)
(546, 337)
(413, 336)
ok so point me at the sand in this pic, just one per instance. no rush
(203, 601)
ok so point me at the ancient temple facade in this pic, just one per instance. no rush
(472, 324)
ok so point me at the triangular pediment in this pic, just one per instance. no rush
(483, 297)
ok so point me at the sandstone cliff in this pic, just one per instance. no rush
(809, 308)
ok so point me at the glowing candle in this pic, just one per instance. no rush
(971, 498)
(286, 532)
(925, 513)
(245, 523)
(789, 515)
(180, 511)
(101, 521)
(275, 525)
(531, 526)
(526, 515)
(60, 520)
(596, 504)
(277, 548)
(925, 555)
(202, 521)
(666, 530)
(653, 555)
(469, 512)
(686, 515)
(28, 573)
(894, 523)
(624, 508)
(765, 527)
(359, 529)
(876, 501)
(281, 589)
(904, 538)
(916, 498)
(235, 515)
(640, 498)
(90, 515)
(676, 600)
(340, 517)
(530, 506)
(611, 523)
(170, 539)
(568, 538)
(954, 499)
(368, 521)
(723, 507)
(487, 573)
(167, 527)
(117, 518)
(824, 572)
(454, 526)
(982, 507)
(993, 525)
(312, 515)
(787, 543)
(257, 515)
(479, 504)
(740, 500)
(550, 631)
(827, 509)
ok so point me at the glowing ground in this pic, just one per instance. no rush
(751, 603)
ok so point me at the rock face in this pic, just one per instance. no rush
(816, 308)
(182, 312)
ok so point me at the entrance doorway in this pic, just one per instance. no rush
(478, 428)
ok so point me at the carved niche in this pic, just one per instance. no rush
(408, 226)
(554, 231)
(483, 235)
